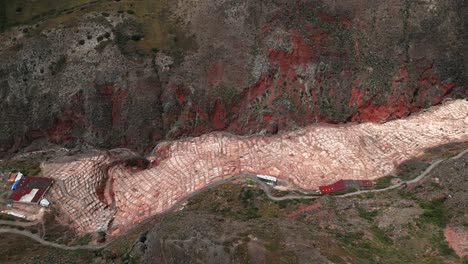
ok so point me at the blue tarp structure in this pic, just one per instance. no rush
(17, 181)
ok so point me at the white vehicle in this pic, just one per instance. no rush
(267, 178)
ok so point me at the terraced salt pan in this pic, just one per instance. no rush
(305, 158)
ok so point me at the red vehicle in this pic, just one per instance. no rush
(344, 184)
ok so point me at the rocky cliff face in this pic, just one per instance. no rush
(131, 73)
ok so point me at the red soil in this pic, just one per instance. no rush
(356, 96)
(302, 209)
(218, 115)
(63, 126)
(249, 94)
(398, 104)
(286, 60)
(458, 241)
(214, 74)
(118, 97)
(180, 94)
(427, 79)
(379, 113)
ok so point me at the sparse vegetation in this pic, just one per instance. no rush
(434, 212)
(3, 16)
(84, 240)
(27, 167)
(368, 215)
(411, 169)
(383, 182)
(59, 65)
(274, 246)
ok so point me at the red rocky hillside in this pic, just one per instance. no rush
(137, 72)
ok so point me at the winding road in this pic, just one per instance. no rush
(48, 243)
(17, 223)
(251, 176)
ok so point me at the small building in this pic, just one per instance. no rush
(31, 189)
(267, 178)
(16, 181)
(12, 177)
(344, 184)
(16, 215)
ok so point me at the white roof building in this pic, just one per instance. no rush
(44, 202)
(267, 178)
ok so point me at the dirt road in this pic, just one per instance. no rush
(48, 243)
(251, 176)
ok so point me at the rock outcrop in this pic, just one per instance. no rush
(104, 76)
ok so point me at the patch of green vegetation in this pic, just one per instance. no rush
(18, 12)
(344, 37)
(7, 217)
(434, 212)
(226, 94)
(84, 240)
(411, 169)
(59, 65)
(284, 203)
(274, 246)
(435, 186)
(407, 195)
(350, 238)
(268, 209)
(20, 249)
(336, 259)
(121, 41)
(250, 182)
(380, 235)
(27, 167)
(313, 18)
(383, 182)
(177, 53)
(328, 108)
(439, 242)
(250, 211)
(379, 78)
(368, 215)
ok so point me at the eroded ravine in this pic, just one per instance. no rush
(305, 159)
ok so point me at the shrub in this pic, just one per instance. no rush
(368, 215)
(59, 65)
(27, 167)
(383, 182)
(434, 212)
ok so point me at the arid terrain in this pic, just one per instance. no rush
(99, 193)
(131, 73)
(200, 131)
(237, 223)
